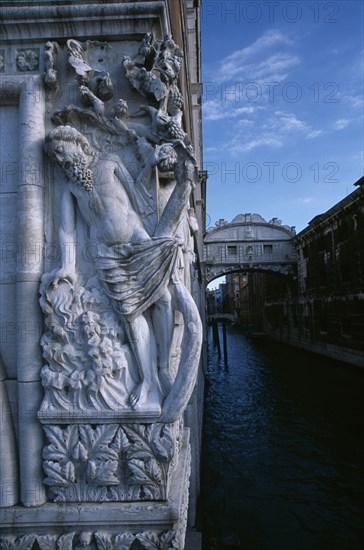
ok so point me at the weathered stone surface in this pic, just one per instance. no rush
(111, 462)
(105, 365)
(73, 523)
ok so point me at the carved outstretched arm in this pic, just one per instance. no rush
(137, 189)
(178, 202)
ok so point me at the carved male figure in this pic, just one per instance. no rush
(135, 267)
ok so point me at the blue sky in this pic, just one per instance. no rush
(282, 106)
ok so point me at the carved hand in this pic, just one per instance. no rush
(65, 273)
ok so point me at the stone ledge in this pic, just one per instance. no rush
(108, 20)
(111, 517)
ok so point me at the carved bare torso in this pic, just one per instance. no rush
(107, 209)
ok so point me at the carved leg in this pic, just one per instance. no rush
(140, 341)
(163, 321)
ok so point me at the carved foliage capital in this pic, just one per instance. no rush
(109, 462)
(89, 540)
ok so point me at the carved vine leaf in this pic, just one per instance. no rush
(163, 445)
(14, 543)
(78, 459)
(149, 457)
(65, 541)
(121, 442)
(152, 541)
(103, 540)
(98, 440)
(148, 477)
(124, 541)
(47, 542)
(54, 542)
(103, 472)
(169, 540)
(108, 462)
(55, 475)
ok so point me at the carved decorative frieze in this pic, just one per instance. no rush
(99, 540)
(27, 60)
(110, 462)
(9, 542)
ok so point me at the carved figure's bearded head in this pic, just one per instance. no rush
(120, 109)
(71, 150)
(167, 157)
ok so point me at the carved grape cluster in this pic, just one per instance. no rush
(175, 101)
(175, 131)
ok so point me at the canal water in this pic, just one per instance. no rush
(283, 452)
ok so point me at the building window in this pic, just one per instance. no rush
(232, 250)
(268, 248)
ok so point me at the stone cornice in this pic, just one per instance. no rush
(329, 218)
(107, 19)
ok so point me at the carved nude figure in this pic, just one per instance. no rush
(137, 269)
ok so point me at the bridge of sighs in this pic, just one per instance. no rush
(247, 243)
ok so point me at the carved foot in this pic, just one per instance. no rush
(139, 394)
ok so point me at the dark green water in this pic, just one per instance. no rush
(283, 454)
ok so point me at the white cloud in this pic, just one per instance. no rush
(313, 134)
(215, 109)
(305, 200)
(271, 132)
(242, 144)
(260, 62)
(266, 61)
(341, 123)
(287, 123)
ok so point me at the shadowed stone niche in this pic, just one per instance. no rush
(103, 337)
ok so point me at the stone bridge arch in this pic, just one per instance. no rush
(248, 243)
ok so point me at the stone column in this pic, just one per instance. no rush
(9, 480)
(29, 271)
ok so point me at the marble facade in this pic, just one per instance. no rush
(101, 335)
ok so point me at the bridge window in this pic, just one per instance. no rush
(268, 249)
(232, 250)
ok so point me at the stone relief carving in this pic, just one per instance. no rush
(110, 462)
(140, 252)
(77, 58)
(10, 542)
(50, 74)
(99, 540)
(27, 60)
(115, 382)
(88, 367)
